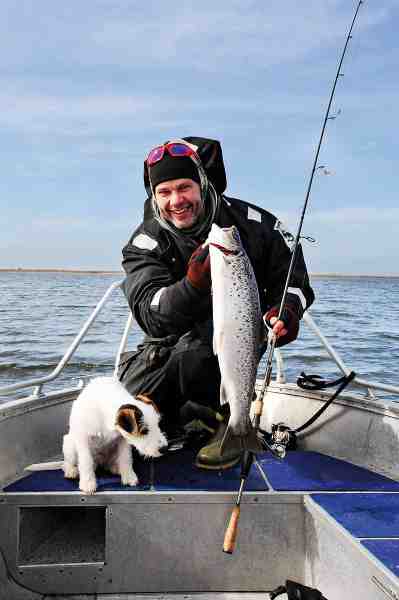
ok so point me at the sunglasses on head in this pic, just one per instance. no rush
(173, 149)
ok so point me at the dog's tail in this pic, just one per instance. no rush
(45, 466)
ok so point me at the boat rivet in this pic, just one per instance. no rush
(170, 499)
(256, 499)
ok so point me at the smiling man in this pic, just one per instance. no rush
(179, 201)
(168, 285)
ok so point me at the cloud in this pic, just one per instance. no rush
(43, 112)
(206, 36)
(88, 87)
(202, 35)
(26, 110)
(347, 217)
(90, 224)
(349, 240)
(357, 216)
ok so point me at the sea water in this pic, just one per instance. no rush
(42, 312)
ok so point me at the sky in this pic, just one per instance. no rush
(88, 88)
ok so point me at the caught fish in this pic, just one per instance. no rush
(238, 330)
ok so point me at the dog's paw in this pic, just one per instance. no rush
(129, 479)
(71, 472)
(88, 486)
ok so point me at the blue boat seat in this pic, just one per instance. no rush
(368, 517)
(172, 472)
(387, 552)
(307, 471)
(300, 471)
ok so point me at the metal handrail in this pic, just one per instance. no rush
(8, 389)
(340, 363)
(122, 345)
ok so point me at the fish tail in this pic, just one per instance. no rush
(248, 442)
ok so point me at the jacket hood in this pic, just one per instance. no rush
(210, 153)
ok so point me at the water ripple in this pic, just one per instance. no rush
(41, 314)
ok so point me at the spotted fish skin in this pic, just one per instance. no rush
(237, 322)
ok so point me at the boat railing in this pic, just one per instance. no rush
(369, 386)
(38, 383)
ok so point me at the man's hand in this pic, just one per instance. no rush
(286, 329)
(199, 269)
(279, 328)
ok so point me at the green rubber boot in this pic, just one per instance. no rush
(210, 456)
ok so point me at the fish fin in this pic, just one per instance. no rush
(217, 342)
(227, 440)
(45, 466)
(249, 442)
(223, 394)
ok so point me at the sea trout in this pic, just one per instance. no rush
(238, 329)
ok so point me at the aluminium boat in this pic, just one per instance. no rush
(326, 515)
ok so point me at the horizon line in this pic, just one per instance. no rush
(114, 271)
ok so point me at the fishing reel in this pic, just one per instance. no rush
(281, 439)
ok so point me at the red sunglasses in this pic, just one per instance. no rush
(173, 148)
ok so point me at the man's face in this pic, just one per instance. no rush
(179, 201)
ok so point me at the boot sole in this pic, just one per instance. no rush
(217, 467)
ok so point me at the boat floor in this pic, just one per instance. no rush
(300, 471)
(364, 504)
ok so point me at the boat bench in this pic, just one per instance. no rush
(363, 505)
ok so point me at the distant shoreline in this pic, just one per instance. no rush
(111, 272)
(84, 271)
(352, 275)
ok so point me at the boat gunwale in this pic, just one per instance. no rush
(380, 406)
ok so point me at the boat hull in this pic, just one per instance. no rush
(170, 542)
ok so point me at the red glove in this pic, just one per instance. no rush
(199, 269)
(291, 323)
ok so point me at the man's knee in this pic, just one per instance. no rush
(199, 374)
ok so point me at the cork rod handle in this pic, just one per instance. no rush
(231, 531)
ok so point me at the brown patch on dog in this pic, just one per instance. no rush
(130, 418)
(147, 400)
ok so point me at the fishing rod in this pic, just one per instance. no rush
(259, 402)
(231, 532)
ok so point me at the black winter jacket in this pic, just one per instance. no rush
(155, 260)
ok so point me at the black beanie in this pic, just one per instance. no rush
(173, 167)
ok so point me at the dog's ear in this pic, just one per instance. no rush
(131, 419)
(147, 400)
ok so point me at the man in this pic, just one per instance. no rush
(168, 283)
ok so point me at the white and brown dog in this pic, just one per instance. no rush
(105, 421)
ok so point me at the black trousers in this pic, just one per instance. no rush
(173, 371)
